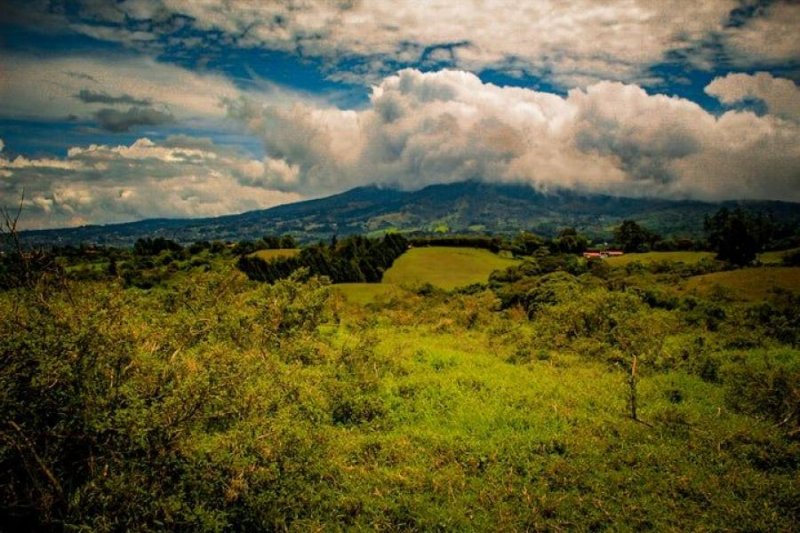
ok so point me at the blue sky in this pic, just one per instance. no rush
(116, 111)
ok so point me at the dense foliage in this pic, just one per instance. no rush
(564, 394)
(354, 259)
(736, 235)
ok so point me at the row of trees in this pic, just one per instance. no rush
(736, 235)
(354, 259)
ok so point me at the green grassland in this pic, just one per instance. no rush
(364, 293)
(444, 267)
(214, 403)
(274, 254)
(751, 284)
(775, 257)
(651, 257)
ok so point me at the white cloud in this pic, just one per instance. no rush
(51, 87)
(424, 128)
(572, 42)
(770, 37)
(781, 96)
(181, 177)
(84, 86)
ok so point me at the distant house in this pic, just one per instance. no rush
(601, 254)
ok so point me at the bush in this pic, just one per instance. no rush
(765, 383)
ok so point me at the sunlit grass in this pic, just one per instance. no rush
(274, 254)
(775, 257)
(445, 267)
(651, 257)
(748, 283)
(363, 293)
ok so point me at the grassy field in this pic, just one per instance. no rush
(748, 283)
(273, 254)
(445, 267)
(363, 293)
(650, 257)
(774, 258)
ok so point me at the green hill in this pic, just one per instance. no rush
(444, 267)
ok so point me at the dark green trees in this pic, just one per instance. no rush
(569, 241)
(354, 259)
(632, 237)
(737, 236)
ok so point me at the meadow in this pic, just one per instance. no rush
(267, 255)
(443, 267)
(750, 284)
(597, 397)
(651, 257)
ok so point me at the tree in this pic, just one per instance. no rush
(569, 241)
(737, 236)
(632, 237)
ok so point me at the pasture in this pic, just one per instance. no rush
(749, 284)
(774, 257)
(267, 255)
(652, 257)
(445, 267)
(363, 293)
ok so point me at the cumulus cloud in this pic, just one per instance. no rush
(781, 96)
(447, 126)
(181, 177)
(120, 121)
(155, 93)
(769, 37)
(571, 42)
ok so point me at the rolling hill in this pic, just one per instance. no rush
(457, 207)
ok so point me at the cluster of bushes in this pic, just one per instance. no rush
(354, 259)
(202, 408)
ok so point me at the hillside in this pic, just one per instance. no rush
(461, 207)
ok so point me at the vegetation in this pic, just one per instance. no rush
(446, 268)
(751, 284)
(632, 237)
(656, 257)
(354, 259)
(737, 236)
(553, 393)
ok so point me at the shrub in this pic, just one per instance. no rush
(765, 383)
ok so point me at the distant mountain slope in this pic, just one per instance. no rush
(464, 206)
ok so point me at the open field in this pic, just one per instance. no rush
(748, 284)
(445, 267)
(774, 258)
(363, 293)
(273, 254)
(651, 257)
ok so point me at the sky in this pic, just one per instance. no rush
(113, 111)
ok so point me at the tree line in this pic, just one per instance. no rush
(353, 259)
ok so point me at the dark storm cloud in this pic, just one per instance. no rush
(117, 121)
(91, 97)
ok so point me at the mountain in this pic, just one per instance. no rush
(457, 207)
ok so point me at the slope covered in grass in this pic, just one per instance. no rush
(748, 283)
(445, 267)
(651, 257)
(276, 253)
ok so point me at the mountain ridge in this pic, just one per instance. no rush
(467, 206)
